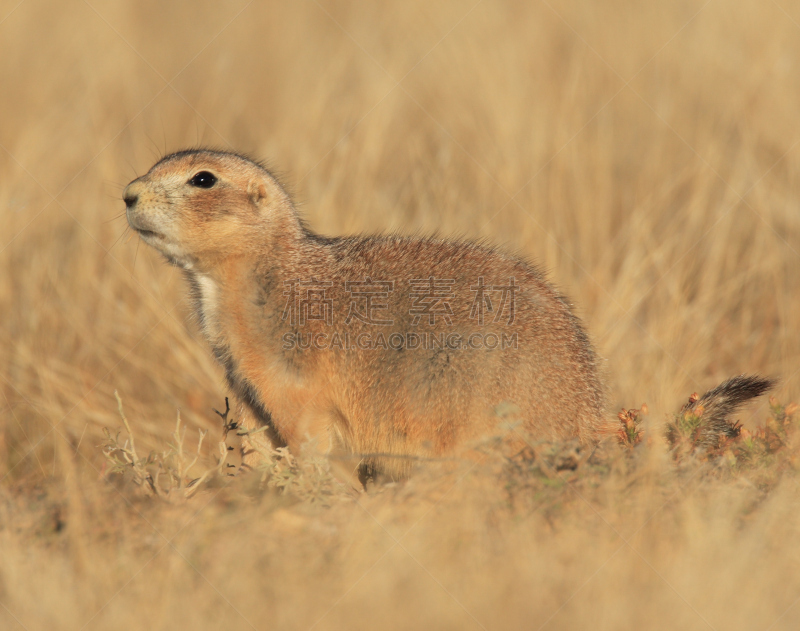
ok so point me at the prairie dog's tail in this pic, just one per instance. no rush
(717, 405)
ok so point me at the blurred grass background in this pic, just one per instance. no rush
(645, 154)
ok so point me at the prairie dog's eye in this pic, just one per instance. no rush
(203, 179)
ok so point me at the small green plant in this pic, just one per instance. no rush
(630, 433)
(774, 442)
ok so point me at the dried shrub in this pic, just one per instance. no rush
(166, 473)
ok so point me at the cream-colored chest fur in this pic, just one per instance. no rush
(209, 305)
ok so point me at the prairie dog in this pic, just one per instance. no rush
(382, 347)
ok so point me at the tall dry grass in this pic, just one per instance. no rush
(644, 153)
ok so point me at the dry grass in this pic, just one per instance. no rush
(644, 153)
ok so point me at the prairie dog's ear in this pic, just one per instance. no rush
(257, 191)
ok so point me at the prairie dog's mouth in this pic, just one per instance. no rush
(163, 243)
(145, 233)
(148, 234)
(174, 254)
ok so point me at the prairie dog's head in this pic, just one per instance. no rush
(200, 206)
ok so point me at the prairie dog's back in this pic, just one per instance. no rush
(509, 337)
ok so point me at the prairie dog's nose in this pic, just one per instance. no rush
(130, 195)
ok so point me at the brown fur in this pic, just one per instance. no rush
(241, 241)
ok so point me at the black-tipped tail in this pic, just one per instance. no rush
(730, 395)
